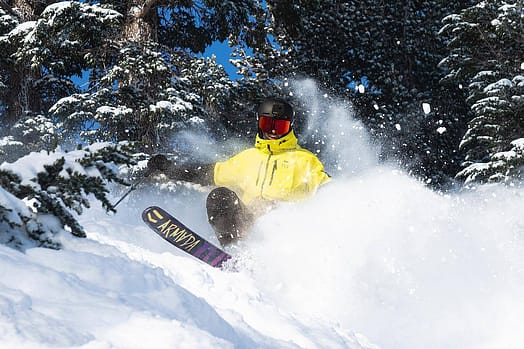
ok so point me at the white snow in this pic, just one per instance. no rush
(28, 166)
(378, 255)
(375, 260)
(123, 287)
(7, 140)
(426, 107)
(117, 111)
(177, 106)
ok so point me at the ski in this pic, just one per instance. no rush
(179, 235)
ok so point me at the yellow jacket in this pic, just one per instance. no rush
(273, 170)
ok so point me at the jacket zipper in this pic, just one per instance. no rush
(266, 170)
(273, 172)
(259, 172)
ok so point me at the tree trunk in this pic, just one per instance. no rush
(141, 26)
(21, 98)
(141, 21)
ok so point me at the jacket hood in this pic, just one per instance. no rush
(286, 143)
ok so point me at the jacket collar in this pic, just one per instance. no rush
(286, 143)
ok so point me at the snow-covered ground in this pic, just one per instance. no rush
(374, 260)
(124, 287)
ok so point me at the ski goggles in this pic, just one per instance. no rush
(268, 124)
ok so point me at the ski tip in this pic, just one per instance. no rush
(152, 214)
(152, 208)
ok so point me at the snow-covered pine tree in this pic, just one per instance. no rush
(486, 42)
(494, 140)
(27, 135)
(13, 216)
(44, 44)
(40, 55)
(140, 98)
(56, 185)
(153, 82)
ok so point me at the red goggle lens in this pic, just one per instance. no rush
(267, 124)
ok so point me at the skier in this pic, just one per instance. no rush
(253, 181)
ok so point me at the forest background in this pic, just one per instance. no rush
(438, 85)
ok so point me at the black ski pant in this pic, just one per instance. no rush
(228, 216)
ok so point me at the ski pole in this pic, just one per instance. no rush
(133, 187)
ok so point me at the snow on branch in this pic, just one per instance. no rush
(42, 192)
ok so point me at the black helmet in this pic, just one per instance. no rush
(276, 108)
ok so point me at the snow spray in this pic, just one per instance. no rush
(383, 255)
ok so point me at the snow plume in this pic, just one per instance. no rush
(331, 126)
(197, 144)
(329, 130)
(383, 255)
(379, 253)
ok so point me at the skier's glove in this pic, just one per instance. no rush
(158, 162)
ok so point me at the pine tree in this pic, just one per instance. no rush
(57, 41)
(485, 42)
(39, 59)
(59, 189)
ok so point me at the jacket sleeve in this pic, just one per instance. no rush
(198, 173)
(227, 173)
(322, 177)
(314, 177)
(239, 170)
